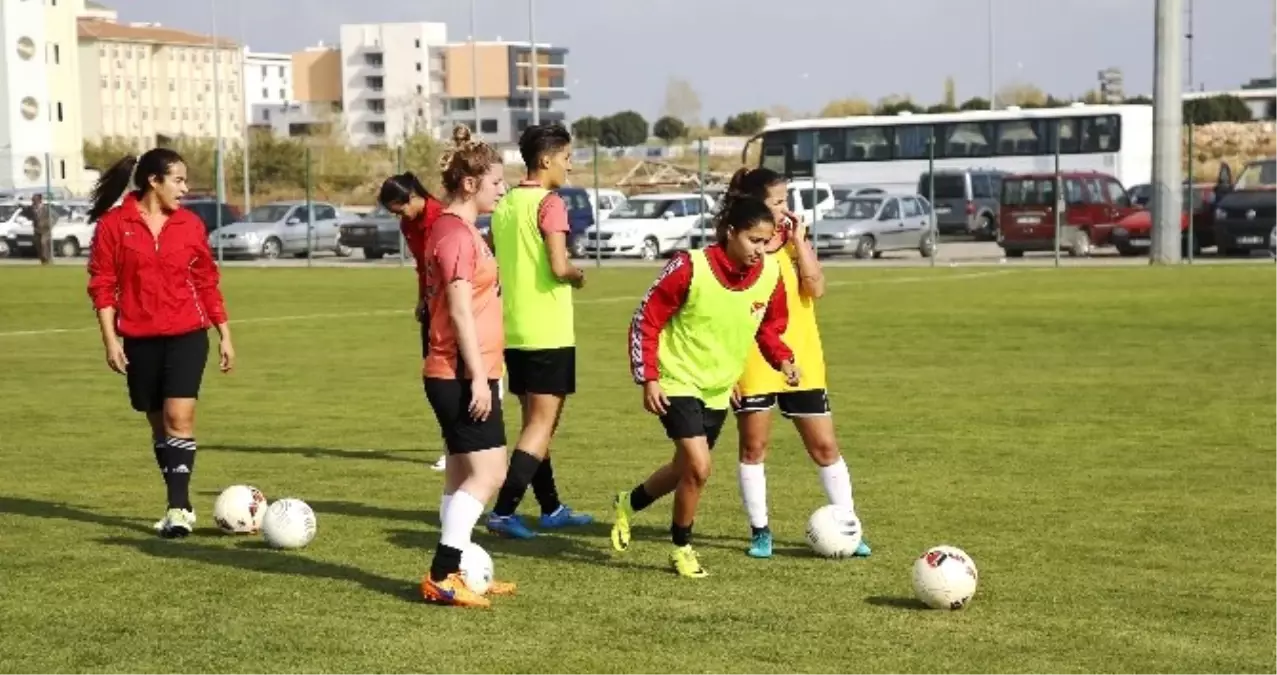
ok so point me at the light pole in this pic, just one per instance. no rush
(474, 67)
(534, 70)
(243, 74)
(993, 87)
(217, 129)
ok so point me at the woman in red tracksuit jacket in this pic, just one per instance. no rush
(405, 196)
(154, 284)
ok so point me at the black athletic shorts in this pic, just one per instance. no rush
(450, 399)
(541, 371)
(806, 403)
(687, 417)
(165, 367)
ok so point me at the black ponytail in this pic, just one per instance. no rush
(398, 189)
(741, 213)
(154, 163)
(745, 185)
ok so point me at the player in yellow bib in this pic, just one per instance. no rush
(760, 389)
(688, 343)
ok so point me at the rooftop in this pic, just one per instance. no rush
(97, 29)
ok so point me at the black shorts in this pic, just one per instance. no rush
(541, 371)
(806, 403)
(687, 417)
(450, 399)
(161, 368)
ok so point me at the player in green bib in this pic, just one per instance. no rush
(688, 345)
(530, 234)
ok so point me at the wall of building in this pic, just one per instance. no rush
(392, 78)
(25, 129)
(65, 109)
(317, 75)
(268, 79)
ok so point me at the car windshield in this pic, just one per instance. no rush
(7, 211)
(268, 214)
(1028, 192)
(642, 208)
(948, 186)
(855, 208)
(1258, 175)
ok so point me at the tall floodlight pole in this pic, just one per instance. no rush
(217, 128)
(534, 70)
(243, 76)
(474, 65)
(1167, 130)
(993, 87)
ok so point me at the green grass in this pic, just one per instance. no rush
(1100, 441)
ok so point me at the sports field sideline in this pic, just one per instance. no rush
(1101, 441)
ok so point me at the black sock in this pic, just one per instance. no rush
(523, 466)
(158, 445)
(179, 464)
(545, 489)
(759, 530)
(447, 561)
(682, 535)
(640, 499)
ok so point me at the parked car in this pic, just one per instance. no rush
(1246, 210)
(966, 200)
(10, 219)
(71, 234)
(281, 228)
(580, 217)
(1133, 234)
(1093, 203)
(648, 226)
(607, 200)
(869, 225)
(377, 233)
(207, 207)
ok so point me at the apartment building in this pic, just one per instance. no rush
(392, 79)
(317, 75)
(268, 80)
(497, 76)
(148, 83)
(40, 140)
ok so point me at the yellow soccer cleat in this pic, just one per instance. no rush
(684, 561)
(621, 525)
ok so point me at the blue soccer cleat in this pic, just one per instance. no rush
(510, 527)
(564, 516)
(863, 550)
(760, 544)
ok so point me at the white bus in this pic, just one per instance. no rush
(892, 152)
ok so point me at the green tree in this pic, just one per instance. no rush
(847, 107)
(941, 108)
(975, 103)
(623, 130)
(745, 124)
(588, 129)
(669, 129)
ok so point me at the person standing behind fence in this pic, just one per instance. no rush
(42, 220)
(405, 196)
(154, 285)
(530, 233)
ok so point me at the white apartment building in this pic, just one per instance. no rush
(40, 141)
(392, 80)
(268, 80)
(148, 84)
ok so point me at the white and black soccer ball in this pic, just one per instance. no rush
(834, 532)
(240, 509)
(289, 523)
(476, 568)
(945, 577)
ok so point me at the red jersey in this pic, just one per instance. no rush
(669, 292)
(159, 285)
(415, 231)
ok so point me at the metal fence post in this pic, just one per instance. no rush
(598, 241)
(217, 212)
(48, 200)
(815, 194)
(700, 180)
(931, 193)
(310, 215)
(403, 244)
(1193, 198)
(1059, 194)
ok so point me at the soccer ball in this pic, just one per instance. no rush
(476, 568)
(289, 523)
(944, 578)
(834, 532)
(239, 509)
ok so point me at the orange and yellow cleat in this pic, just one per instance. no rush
(451, 591)
(501, 588)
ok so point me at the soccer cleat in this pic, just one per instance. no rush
(760, 544)
(863, 550)
(510, 527)
(501, 588)
(440, 464)
(451, 591)
(177, 523)
(564, 517)
(621, 526)
(684, 561)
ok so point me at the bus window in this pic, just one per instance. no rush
(867, 144)
(966, 139)
(1101, 134)
(775, 152)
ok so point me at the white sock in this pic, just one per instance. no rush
(753, 493)
(443, 506)
(836, 480)
(459, 519)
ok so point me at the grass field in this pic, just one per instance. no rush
(1100, 441)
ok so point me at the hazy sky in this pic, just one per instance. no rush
(749, 54)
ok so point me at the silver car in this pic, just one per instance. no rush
(868, 225)
(282, 228)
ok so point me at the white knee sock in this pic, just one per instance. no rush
(459, 519)
(443, 506)
(836, 480)
(753, 493)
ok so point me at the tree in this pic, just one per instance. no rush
(950, 94)
(713, 124)
(682, 102)
(895, 104)
(1139, 100)
(1021, 94)
(745, 124)
(941, 108)
(625, 129)
(975, 103)
(669, 129)
(847, 107)
(1216, 109)
(588, 129)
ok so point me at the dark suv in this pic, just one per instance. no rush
(207, 208)
(966, 200)
(1246, 210)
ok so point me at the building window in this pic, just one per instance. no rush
(283, 95)
(59, 111)
(172, 86)
(418, 66)
(265, 92)
(421, 89)
(104, 82)
(488, 126)
(263, 71)
(417, 43)
(57, 55)
(62, 167)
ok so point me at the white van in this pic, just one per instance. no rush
(647, 226)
